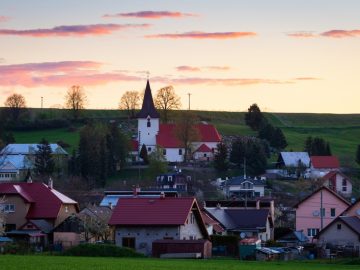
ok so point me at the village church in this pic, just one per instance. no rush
(152, 133)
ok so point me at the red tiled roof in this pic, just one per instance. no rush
(203, 148)
(45, 202)
(134, 145)
(153, 211)
(166, 137)
(320, 162)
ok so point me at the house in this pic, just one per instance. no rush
(317, 210)
(17, 159)
(338, 182)
(90, 225)
(293, 239)
(344, 231)
(14, 167)
(138, 222)
(353, 210)
(321, 165)
(212, 226)
(293, 163)
(175, 180)
(27, 201)
(242, 187)
(152, 134)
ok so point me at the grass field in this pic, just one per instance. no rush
(341, 130)
(12, 262)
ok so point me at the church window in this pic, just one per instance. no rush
(180, 152)
(149, 149)
(148, 123)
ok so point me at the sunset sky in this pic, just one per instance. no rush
(284, 55)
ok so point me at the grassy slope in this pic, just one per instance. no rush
(80, 263)
(341, 130)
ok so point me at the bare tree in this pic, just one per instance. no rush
(75, 99)
(130, 101)
(2, 215)
(16, 103)
(187, 132)
(166, 100)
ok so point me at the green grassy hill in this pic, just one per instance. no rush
(341, 130)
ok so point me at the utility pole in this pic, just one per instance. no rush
(321, 210)
(189, 100)
(42, 102)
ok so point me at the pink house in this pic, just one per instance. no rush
(338, 182)
(317, 210)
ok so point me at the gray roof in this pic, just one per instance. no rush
(30, 148)
(43, 225)
(240, 219)
(291, 159)
(10, 163)
(238, 180)
(352, 222)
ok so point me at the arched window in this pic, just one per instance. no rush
(148, 123)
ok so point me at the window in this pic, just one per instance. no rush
(312, 231)
(9, 208)
(164, 152)
(344, 188)
(149, 149)
(338, 226)
(128, 242)
(148, 123)
(344, 183)
(322, 212)
(192, 218)
(332, 212)
(170, 178)
(180, 152)
(204, 155)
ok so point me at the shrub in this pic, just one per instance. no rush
(17, 248)
(101, 250)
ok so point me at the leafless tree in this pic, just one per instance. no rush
(2, 216)
(16, 103)
(166, 100)
(187, 132)
(75, 99)
(130, 101)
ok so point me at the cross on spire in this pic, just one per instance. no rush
(147, 74)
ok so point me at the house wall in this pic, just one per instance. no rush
(200, 156)
(145, 235)
(172, 155)
(339, 186)
(190, 230)
(305, 217)
(147, 135)
(21, 210)
(65, 211)
(344, 236)
(67, 239)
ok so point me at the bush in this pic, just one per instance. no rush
(101, 250)
(17, 248)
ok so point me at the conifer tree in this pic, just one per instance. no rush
(44, 162)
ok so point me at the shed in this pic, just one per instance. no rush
(160, 247)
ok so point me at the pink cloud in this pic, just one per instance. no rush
(151, 14)
(187, 68)
(72, 30)
(341, 33)
(59, 74)
(302, 35)
(218, 68)
(204, 35)
(306, 79)
(4, 18)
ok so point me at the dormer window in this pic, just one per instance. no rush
(148, 123)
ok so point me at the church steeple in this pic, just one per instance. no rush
(148, 108)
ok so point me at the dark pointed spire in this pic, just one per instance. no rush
(148, 107)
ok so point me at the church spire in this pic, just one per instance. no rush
(148, 108)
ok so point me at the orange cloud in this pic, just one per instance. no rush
(306, 79)
(218, 68)
(302, 35)
(59, 74)
(4, 18)
(72, 30)
(341, 33)
(187, 68)
(151, 14)
(204, 35)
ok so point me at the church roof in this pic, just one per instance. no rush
(148, 108)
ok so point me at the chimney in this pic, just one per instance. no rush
(136, 191)
(162, 195)
(110, 205)
(29, 180)
(50, 183)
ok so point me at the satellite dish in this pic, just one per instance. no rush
(316, 213)
(242, 235)
(358, 212)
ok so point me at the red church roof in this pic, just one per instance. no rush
(323, 162)
(152, 211)
(44, 201)
(204, 148)
(166, 137)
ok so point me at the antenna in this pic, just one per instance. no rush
(244, 168)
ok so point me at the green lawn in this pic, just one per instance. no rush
(11, 262)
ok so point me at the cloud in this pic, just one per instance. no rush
(59, 74)
(188, 68)
(4, 18)
(341, 33)
(205, 35)
(218, 68)
(306, 79)
(151, 14)
(72, 30)
(302, 34)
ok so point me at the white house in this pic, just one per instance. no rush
(338, 182)
(151, 134)
(245, 187)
